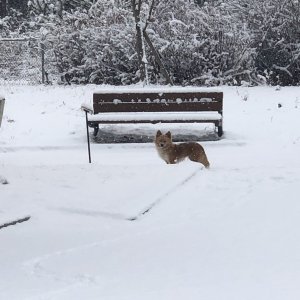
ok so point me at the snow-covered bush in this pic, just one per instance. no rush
(94, 46)
(197, 44)
(200, 45)
(275, 30)
(207, 42)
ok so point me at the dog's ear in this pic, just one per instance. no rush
(168, 134)
(158, 133)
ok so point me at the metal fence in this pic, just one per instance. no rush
(22, 61)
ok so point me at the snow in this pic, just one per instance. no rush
(155, 89)
(157, 116)
(231, 232)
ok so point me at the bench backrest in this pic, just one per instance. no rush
(158, 102)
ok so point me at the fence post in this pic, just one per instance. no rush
(43, 61)
(2, 101)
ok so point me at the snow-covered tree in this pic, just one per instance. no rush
(275, 25)
(207, 42)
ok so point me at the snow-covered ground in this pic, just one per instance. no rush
(228, 233)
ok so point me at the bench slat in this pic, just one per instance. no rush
(95, 123)
(158, 107)
(157, 116)
(128, 97)
(157, 102)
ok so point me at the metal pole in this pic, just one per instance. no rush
(88, 136)
(43, 61)
(2, 102)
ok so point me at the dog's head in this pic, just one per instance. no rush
(163, 140)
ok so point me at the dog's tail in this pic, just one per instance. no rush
(206, 163)
(203, 160)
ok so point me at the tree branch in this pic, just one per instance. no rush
(157, 59)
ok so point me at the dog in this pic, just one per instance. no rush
(174, 153)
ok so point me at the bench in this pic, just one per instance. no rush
(154, 106)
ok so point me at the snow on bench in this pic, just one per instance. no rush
(145, 117)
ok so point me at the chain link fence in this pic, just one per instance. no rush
(22, 61)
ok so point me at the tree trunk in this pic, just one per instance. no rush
(158, 60)
(142, 35)
(3, 8)
(136, 8)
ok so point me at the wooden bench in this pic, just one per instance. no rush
(155, 106)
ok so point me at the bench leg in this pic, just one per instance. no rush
(96, 129)
(220, 131)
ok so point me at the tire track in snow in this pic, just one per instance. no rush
(162, 197)
(123, 217)
(35, 267)
(14, 222)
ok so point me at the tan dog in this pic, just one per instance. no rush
(174, 153)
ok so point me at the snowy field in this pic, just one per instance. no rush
(228, 233)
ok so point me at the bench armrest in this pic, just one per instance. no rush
(87, 108)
